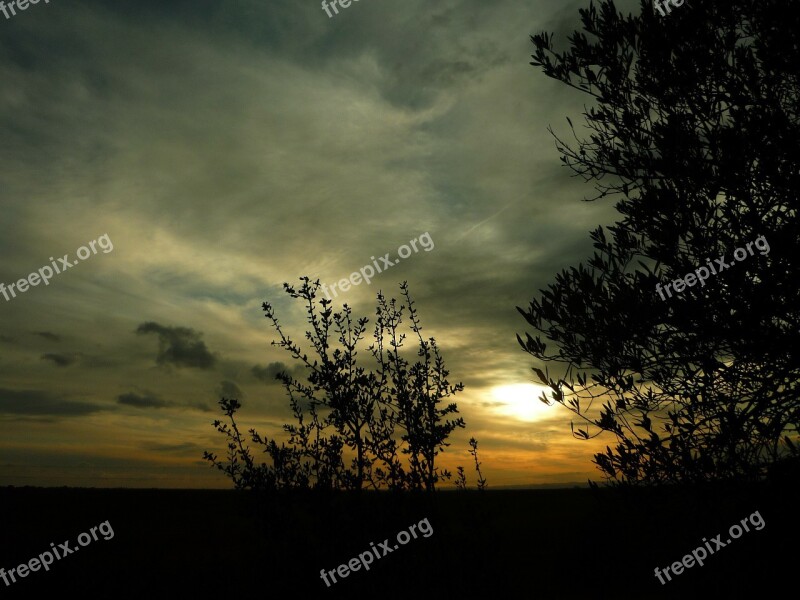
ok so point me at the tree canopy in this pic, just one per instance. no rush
(692, 128)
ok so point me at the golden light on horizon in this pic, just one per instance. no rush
(521, 401)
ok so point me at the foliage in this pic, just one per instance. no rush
(461, 476)
(473, 444)
(693, 130)
(355, 427)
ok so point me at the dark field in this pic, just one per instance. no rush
(569, 543)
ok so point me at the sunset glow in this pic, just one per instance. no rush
(521, 401)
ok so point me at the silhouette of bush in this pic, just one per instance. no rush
(354, 427)
(461, 477)
(473, 444)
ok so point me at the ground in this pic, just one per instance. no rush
(567, 543)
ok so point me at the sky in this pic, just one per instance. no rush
(213, 150)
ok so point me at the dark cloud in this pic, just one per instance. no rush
(146, 400)
(48, 336)
(179, 346)
(100, 362)
(182, 449)
(60, 360)
(40, 403)
(268, 373)
(228, 389)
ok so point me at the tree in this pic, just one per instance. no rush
(378, 417)
(693, 130)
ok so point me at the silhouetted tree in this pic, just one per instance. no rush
(379, 417)
(694, 130)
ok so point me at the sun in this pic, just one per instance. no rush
(521, 401)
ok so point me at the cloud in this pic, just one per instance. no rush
(268, 373)
(48, 336)
(437, 113)
(228, 389)
(179, 346)
(147, 400)
(100, 362)
(185, 448)
(61, 360)
(41, 403)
